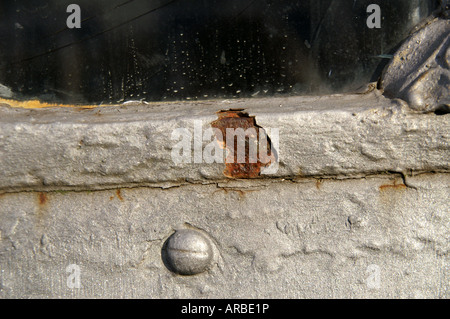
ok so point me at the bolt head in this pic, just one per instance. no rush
(188, 252)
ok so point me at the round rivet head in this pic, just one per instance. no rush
(187, 252)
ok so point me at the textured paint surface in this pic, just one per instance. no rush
(272, 239)
(129, 146)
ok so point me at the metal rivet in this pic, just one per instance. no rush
(187, 252)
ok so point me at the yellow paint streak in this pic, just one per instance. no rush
(35, 104)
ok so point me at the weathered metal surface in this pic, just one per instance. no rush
(357, 208)
(419, 72)
(356, 238)
(123, 146)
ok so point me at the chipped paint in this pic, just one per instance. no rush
(236, 118)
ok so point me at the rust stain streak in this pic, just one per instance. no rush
(41, 210)
(227, 191)
(119, 195)
(392, 187)
(319, 183)
(42, 197)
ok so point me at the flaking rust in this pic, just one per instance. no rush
(234, 119)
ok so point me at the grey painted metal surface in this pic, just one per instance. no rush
(121, 146)
(358, 207)
(419, 73)
(361, 238)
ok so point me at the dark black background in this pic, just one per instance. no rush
(195, 49)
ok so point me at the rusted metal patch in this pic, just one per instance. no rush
(248, 168)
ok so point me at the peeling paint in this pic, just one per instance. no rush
(236, 118)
